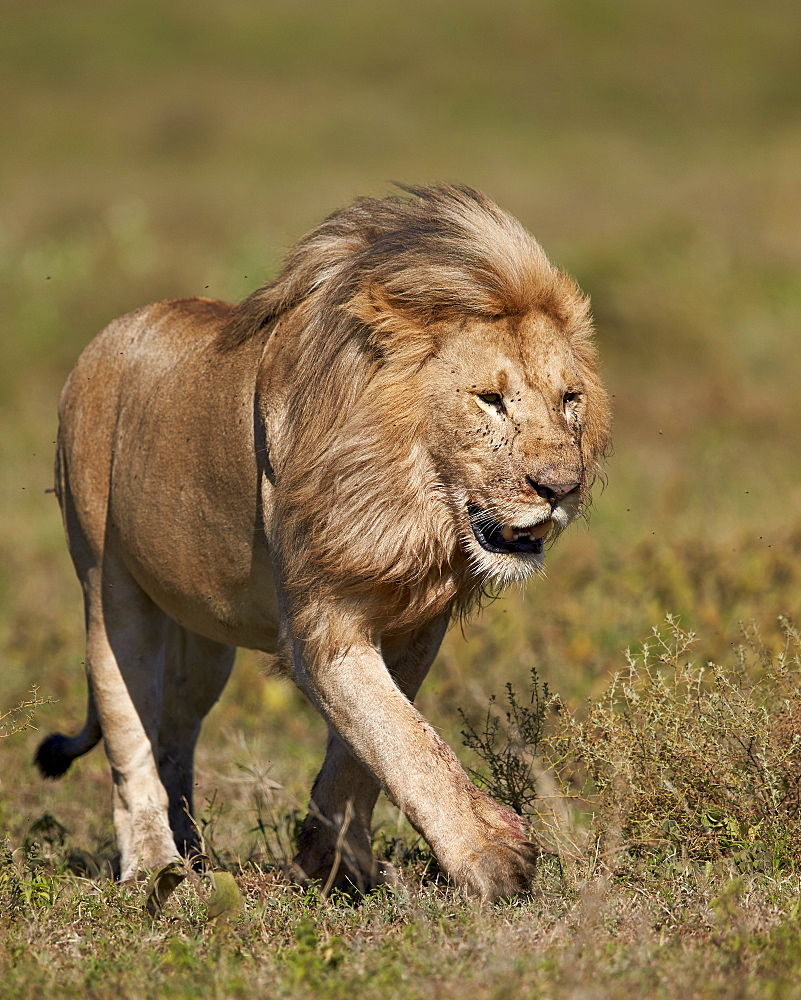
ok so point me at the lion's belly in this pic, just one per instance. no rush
(191, 534)
(234, 609)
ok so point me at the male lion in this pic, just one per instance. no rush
(330, 472)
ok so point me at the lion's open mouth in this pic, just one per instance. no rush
(496, 537)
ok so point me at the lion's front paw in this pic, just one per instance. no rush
(496, 861)
(500, 871)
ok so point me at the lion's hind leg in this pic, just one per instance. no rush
(126, 649)
(196, 670)
(153, 682)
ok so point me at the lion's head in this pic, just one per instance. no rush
(431, 394)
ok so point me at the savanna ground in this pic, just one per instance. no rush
(166, 149)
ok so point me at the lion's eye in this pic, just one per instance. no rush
(493, 399)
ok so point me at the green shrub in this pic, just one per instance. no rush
(692, 759)
(698, 758)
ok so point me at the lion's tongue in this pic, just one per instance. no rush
(512, 534)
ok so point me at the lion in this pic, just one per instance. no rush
(330, 472)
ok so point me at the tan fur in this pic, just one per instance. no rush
(311, 473)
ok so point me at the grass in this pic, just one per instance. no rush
(171, 149)
(689, 910)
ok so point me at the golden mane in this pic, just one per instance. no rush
(357, 310)
(446, 250)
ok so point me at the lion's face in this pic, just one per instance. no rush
(508, 405)
(433, 403)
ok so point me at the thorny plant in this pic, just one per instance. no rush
(21, 716)
(509, 750)
(701, 759)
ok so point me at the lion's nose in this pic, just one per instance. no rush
(550, 489)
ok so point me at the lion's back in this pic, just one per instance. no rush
(105, 390)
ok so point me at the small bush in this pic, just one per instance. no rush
(699, 757)
(509, 750)
(698, 760)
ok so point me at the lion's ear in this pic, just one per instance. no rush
(373, 307)
(388, 322)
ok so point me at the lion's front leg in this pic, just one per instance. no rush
(477, 841)
(334, 846)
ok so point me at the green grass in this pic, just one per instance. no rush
(167, 149)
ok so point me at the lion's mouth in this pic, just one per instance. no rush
(496, 537)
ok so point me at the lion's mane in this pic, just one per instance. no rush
(349, 323)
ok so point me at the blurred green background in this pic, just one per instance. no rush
(160, 149)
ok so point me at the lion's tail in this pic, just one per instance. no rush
(57, 751)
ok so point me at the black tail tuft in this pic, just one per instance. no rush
(53, 757)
